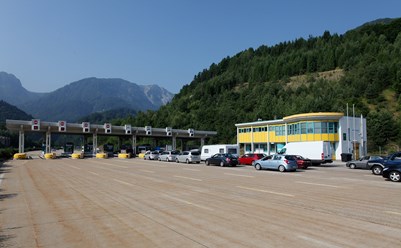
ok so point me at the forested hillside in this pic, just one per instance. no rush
(361, 67)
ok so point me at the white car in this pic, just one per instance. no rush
(168, 156)
(151, 155)
(188, 157)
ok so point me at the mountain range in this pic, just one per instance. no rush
(81, 98)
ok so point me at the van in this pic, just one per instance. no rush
(319, 152)
(209, 150)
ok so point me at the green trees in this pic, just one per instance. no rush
(265, 83)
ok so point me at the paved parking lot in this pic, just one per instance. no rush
(137, 203)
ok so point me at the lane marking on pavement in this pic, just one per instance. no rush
(319, 184)
(1, 178)
(189, 178)
(120, 166)
(320, 243)
(237, 175)
(94, 173)
(74, 167)
(122, 182)
(190, 169)
(148, 171)
(188, 203)
(391, 212)
(266, 191)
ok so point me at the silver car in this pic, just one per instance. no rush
(168, 156)
(188, 157)
(151, 155)
(363, 162)
(277, 162)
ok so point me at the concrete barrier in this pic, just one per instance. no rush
(77, 155)
(124, 155)
(50, 156)
(101, 155)
(20, 156)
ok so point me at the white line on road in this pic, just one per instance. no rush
(319, 184)
(120, 166)
(148, 171)
(94, 173)
(391, 212)
(189, 178)
(265, 191)
(190, 169)
(237, 175)
(1, 178)
(74, 167)
(123, 182)
(187, 202)
(320, 243)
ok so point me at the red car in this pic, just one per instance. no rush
(249, 158)
(302, 162)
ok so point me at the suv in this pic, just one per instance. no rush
(188, 157)
(168, 156)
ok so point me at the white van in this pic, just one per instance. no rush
(209, 150)
(317, 151)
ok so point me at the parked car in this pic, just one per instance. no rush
(249, 158)
(222, 159)
(392, 172)
(168, 156)
(363, 163)
(378, 165)
(303, 163)
(277, 162)
(188, 157)
(151, 155)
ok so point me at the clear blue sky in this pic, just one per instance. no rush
(50, 43)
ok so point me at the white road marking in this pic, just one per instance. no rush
(188, 203)
(265, 191)
(190, 169)
(1, 178)
(74, 167)
(94, 173)
(391, 212)
(190, 178)
(123, 182)
(319, 184)
(148, 171)
(320, 243)
(120, 166)
(237, 175)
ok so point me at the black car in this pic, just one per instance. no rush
(222, 159)
(392, 172)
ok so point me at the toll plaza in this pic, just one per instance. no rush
(107, 129)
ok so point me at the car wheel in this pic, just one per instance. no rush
(377, 170)
(167, 160)
(395, 176)
(159, 159)
(176, 160)
(144, 158)
(258, 167)
(281, 168)
(352, 166)
(187, 161)
(253, 163)
(222, 164)
(207, 162)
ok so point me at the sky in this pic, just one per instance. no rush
(48, 44)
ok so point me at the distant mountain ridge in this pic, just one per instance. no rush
(83, 97)
(8, 111)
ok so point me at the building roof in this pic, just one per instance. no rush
(294, 118)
